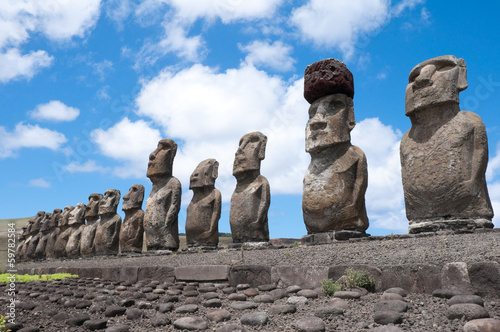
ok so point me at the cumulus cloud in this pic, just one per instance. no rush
(55, 111)
(14, 65)
(494, 191)
(493, 165)
(209, 111)
(339, 24)
(40, 183)
(130, 142)
(28, 136)
(274, 55)
(384, 196)
(58, 20)
(89, 166)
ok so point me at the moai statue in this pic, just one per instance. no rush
(445, 153)
(107, 233)
(132, 229)
(53, 231)
(76, 222)
(87, 247)
(64, 233)
(251, 198)
(43, 237)
(336, 180)
(162, 207)
(20, 250)
(203, 212)
(35, 235)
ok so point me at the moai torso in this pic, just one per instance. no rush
(53, 232)
(204, 210)
(35, 235)
(77, 223)
(64, 233)
(87, 247)
(252, 197)
(132, 229)
(107, 233)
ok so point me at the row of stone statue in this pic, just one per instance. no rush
(443, 162)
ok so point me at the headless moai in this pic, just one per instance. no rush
(161, 222)
(64, 233)
(252, 197)
(77, 222)
(132, 229)
(445, 153)
(336, 180)
(204, 210)
(107, 233)
(87, 247)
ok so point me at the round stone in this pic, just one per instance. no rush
(482, 325)
(310, 324)
(327, 77)
(244, 305)
(387, 317)
(187, 308)
(293, 289)
(237, 297)
(391, 305)
(469, 311)
(218, 316)
(191, 323)
(265, 298)
(391, 296)
(328, 313)
(397, 290)
(133, 313)
(254, 318)
(347, 295)
(297, 300)
(282, 309)
(457, 299)
(308, 293)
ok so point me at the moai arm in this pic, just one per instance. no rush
(265, 201)
(214, 221)
(480, 148)
(175, 202)
(361, 180)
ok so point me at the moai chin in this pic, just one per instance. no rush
(445, 153)
(161, 223)
(64, 233)
(76, 222)
(252, 197)
(107, 233)
(87, 247)
(336, 180)
(204, 210)
(132, 229)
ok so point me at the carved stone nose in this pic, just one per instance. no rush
(317, 125)
(422, 82)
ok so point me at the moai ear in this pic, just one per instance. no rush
(215, 169)
(462, 75)
(351, 122)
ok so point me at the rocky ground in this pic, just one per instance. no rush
(159, 306)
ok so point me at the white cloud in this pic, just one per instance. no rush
(494, 192)
(130, 142)
(89, 166)
(210, 111)
(118, 11)
(274, 55)
(55, 111)
(101, 69)
(384, 196)
(58, 20)
(339, 24)
(15, 65)
(41, 183)
(28, 136)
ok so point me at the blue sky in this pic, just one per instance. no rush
(89, 87)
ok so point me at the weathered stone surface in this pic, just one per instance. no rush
(218, 316)
(251, 199)
(254, 275)
(191, 323)
(45, 246)
(161, 223)
(95, 324)
(327, 77)
(336, 180)
(87, 247)
(187, 308)
(347, 295)
(204, 210)
(396, 290)
(297, 300)
(308, 293)
(413, 278)
(282, 309)
(237, 297)
(328, 313)
(391, 305)
(114, 310)
(445, 293)
(160, 319)
(482, 325)
(305, 277)
(387, 317)
(64, 233)
(485, 278)
(107, 233)
(264, 298)
(445, 153)
(457, 299)
(244, 305)
(202, 273)
(310, 324)
(134, 313)
(132, 228)
(455, 276)
(251, 292)
(468, 311)
(231, 328)
(254, 318)
(391, 296)
(76, 221)
(78, 320)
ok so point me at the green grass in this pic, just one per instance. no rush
(28, 277)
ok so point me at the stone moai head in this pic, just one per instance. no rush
(435, 82)
(37, 222)
(64, 220)
(52, 221)
(77, 215)
(134, 198)
(161, 160)
(109, 203)
(329, 88)
(92, 208)
(205, 174)
(27, 229)
(251, 150)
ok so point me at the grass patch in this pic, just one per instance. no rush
(351, 279)
(29, 277)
